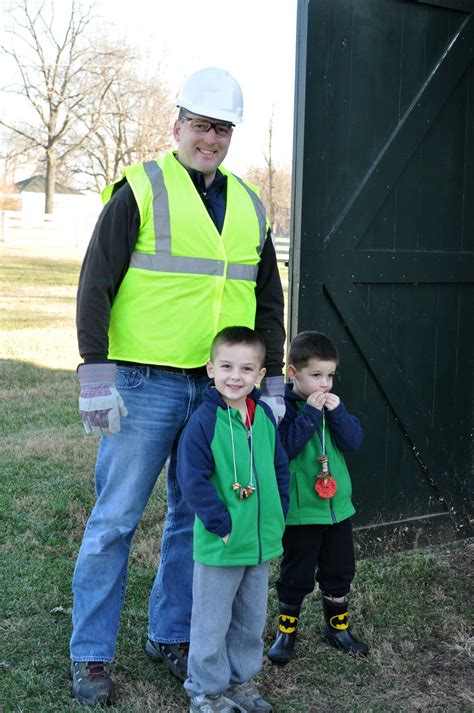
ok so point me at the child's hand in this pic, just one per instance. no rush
(317, 399)
(332, 401)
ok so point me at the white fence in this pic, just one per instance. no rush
(282, 248)
(70, 232)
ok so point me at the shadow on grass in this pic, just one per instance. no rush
(47, 464)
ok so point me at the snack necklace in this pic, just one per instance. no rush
(242, 491)
(325, 485)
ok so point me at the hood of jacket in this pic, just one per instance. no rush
(290, 393)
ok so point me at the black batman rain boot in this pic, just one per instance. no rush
(282, 649)
(337, 631)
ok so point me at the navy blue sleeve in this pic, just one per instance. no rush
(296, 430)
(195, 467)
(345, 429)
(282, 470)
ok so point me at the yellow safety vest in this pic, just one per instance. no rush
(186, 281)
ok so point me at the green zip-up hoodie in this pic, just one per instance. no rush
(301, 435)
(214, 439)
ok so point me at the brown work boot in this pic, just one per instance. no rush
(174, 656)
(92, 683)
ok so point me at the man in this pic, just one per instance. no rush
(181, 250)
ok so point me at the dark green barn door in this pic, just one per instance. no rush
(383, 237)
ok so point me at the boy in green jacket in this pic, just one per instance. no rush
(318, 543)
(233, 473)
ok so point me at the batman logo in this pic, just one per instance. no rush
(292, 620)
(340, 621)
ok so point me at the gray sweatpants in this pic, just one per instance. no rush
(227, 622)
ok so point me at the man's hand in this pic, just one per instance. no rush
(100, 404)
(272, 393)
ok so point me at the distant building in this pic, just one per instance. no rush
(37, 184)
(70, 201)
(23, 220)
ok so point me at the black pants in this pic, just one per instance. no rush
(316, 553)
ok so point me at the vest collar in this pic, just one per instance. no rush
(198, 178)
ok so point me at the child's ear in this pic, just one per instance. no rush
(260, 375)
(210, 369)
(291, 372)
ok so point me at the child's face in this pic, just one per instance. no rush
(235, 370)
(317, 375)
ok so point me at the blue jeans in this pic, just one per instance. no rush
(128, 464)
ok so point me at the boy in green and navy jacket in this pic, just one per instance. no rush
(318, 545)
(233, 473)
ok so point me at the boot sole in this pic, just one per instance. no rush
(243, 709)
(337, 645)
(234, 706)
(278, 662)
(98, 702)
(107, 699)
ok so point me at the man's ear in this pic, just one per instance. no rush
(291, 372)
(177, 129)
(260, 375)
(210, 369)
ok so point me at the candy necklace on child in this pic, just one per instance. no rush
(325, 485)
(243, 491)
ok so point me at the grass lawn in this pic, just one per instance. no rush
(414, 609)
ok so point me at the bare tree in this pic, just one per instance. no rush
(59, 70)
(153, 125)
(270, 172)
(135, 125)
(279, 205)
(10, 161)
(275, 187)
(15, 154)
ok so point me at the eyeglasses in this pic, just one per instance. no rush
(202, 126)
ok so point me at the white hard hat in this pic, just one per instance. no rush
(214, 93)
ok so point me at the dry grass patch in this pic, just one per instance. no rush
(71, 447)
(59, 351)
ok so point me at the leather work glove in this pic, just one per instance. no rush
(100, 404)
(272, 392)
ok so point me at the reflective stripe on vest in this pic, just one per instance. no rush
(186, 280)
(164, 261)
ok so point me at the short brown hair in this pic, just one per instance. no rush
(239, 335)
(311, 345)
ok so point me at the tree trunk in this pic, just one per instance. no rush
(50, 182)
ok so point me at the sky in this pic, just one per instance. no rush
(253, 39)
